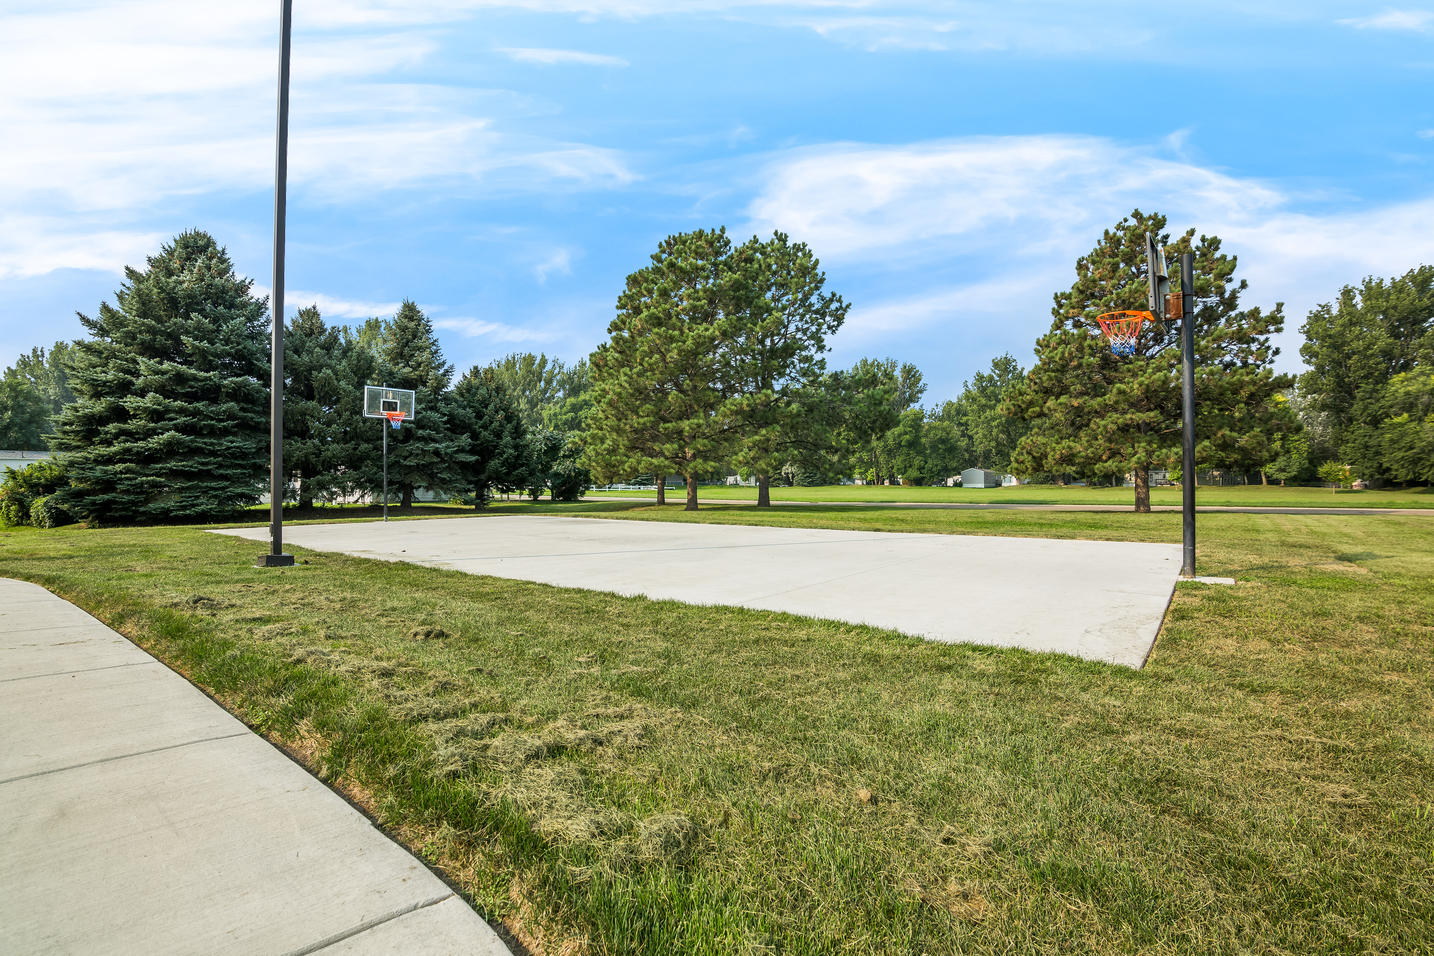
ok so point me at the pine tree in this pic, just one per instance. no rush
(1098, 414)
(329, 447)
(498, 453)
(170, 419)
(775, 340)
(658, 403)
(429, 451)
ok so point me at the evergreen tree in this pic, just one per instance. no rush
(1354, 347)
(429, 451)
(1099, 414)
(170, 419)
(658, 401)
(775, 339)
(497, 454)
(330, 449)
(544, 450)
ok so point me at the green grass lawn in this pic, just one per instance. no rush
(1233, 495)
(617, 775)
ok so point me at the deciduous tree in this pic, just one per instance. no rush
(1354, 346)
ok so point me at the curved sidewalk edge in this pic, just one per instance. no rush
(138, 816)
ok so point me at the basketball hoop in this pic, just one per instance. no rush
(1122, 328)
(394, 418)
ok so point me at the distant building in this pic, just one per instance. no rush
(981, 478)
(11, 458)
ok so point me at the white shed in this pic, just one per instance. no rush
(980, 478)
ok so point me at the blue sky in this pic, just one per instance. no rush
(506, 163)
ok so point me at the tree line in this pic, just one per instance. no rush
(162, 412)
(715, 363)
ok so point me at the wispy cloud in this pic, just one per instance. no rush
(35, 245)
(493, 331)
(548, 57)
(560, 261)
(113, 113)
(1409, 21)
(986, 229)
(332, 307)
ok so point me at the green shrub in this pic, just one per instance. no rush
(569, 481)
(22, 486)
(47, 511)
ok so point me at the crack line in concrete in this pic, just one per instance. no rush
(82, 670)
(367, 925)
(138, 753)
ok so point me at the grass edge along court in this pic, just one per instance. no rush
(608, 774)
(1248, 496)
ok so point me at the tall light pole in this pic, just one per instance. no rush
(1187, 411)
(276, 558)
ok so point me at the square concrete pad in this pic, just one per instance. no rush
(1101, 600)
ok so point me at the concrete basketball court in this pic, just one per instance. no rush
(1100, 600)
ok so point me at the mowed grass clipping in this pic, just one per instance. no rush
(615, 775)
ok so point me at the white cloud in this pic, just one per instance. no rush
(560, 261)
(34, 245)
(1425, 133)
(495, 331)
(985, 229)
(857, 200)
(548, 57)
(1409, 21)
(115, 114)
(331, 307)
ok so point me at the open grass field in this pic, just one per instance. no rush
(614, 775)
(1228, 496)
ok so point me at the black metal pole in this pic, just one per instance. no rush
(1187, 409)
(276, 558)
(386, 427)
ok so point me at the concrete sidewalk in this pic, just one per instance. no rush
(137, 816)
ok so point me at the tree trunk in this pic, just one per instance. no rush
(764, 492)
(691, 493)
(306, 497)
(407, 500)
(662, 489)
(480, 497)
(1263, 479)
(1142, 490)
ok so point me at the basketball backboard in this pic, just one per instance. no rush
(1157, 276)
(380, 400)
